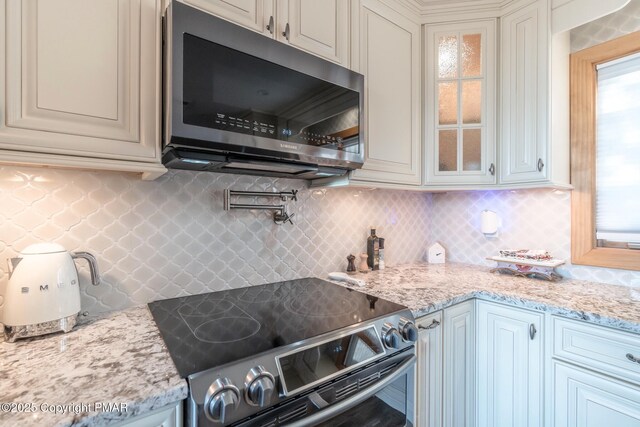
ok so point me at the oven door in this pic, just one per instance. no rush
(379, 394)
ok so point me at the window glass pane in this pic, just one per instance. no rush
(471, 55)
(448, 103)
(618, 151)
(448, 57)
(472, 101)
(448, 150)
(471, 149)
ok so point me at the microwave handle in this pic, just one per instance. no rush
(356, 399)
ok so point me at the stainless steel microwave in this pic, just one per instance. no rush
(236, 101)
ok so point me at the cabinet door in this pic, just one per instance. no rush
(460, 103)
(319, 27)
(459, 366)
(429, 350)
(168, 416)
(510, 367)
(525, 94)
(586, 399)
(390, 61)
(252, 14)
(81, 78)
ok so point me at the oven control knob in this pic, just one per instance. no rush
(221, 400)
(390, 336)
(259, 386)
(408, 330)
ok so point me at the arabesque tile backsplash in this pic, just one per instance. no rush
(531, 219)
(171, 237)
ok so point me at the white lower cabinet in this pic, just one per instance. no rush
(459, 365)
(485, 365)
(587, 399)
(429, 349)
(510, 366)
(596, 375)
(168, 416)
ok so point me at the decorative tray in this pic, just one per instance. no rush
(544, 269)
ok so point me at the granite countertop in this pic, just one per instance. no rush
(426, 288)
(118, 358)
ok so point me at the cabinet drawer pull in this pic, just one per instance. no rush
(433, 325)
(492, 169)
(632, 358)
(532, 331)
(540, 165)
(270, 24)
(286, 31)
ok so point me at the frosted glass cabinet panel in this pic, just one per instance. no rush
(460, 103)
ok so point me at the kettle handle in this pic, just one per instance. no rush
(93, 265)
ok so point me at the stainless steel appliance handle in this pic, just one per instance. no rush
(354, 400)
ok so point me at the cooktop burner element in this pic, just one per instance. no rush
(239, 328)
(210, 330)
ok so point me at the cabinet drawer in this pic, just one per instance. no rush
(597, 347)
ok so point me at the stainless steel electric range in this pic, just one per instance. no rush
(299, 353)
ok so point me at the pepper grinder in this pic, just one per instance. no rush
(364, 267)
(351, 268)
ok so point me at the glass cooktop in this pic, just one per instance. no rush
(208, 330)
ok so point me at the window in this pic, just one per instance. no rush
(618, 153)
(605, 154)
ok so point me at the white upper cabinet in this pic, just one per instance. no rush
(390, 62)
(510, 367)
(81, 84)
(525, 95)
(460, 75)
(318, 27)
(255, 15)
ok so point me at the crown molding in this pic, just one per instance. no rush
(436, 11)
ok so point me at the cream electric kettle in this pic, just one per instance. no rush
(43, 295)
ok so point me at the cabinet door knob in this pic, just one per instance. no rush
(632, 358)
(492, 169)
(270, 24)
(540, 165)
(532, 331)
(286, 31)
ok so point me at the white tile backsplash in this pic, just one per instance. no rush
(531, 219)
(617, 24)
(171, 237)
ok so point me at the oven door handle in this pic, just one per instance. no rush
(343, 405)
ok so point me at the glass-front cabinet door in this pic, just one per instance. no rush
(460, 103)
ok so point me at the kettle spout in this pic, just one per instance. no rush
(12, 263)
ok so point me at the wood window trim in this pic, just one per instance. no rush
(583, 86)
